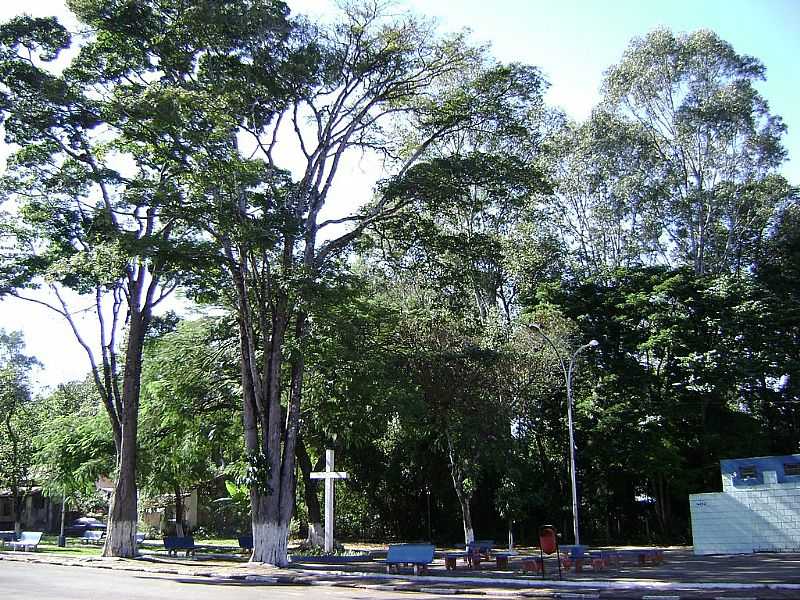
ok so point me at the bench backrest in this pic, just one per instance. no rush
(482, 546)
(173, 541)
(410, 553)
(30, 537)
(576, 550)
(140, 537)
(92, 534)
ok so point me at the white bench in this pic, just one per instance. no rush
(28, 540)
(91, 536)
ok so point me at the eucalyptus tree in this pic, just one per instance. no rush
(98, 177)
(704, 144)
(603, 205)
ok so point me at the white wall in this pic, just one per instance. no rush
(743, 520)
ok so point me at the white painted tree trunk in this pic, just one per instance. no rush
(316, 534)
(122, 543)
(469, 534)
(270, 543)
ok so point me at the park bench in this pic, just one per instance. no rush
(502, 558)
(246, 542)
(478, 550)
(173, 543)
(419, 556)
(473, 554)
(574, 554)
(642, 556)
(140, 538)
(28, 540)
(92, 537)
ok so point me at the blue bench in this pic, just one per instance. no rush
(575, 554)
(93, 537)
(482, 547)
(643, 556)
(173, 543)
(246, 542)
(419, 556)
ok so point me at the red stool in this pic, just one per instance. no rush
(532, 564)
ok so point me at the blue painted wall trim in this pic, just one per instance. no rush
(734, 467)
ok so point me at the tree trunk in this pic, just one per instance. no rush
(16, 508)
(270, 534)
(179, 512)
(121, 538)
(63, 519)
(466, 515)
(316, 533)
(123, 514)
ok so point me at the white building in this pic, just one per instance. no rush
(758, 509)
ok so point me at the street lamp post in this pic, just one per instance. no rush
(567, 371)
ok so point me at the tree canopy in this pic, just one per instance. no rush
(200, 146)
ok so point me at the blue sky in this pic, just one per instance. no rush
(575, 41)
(572, 41)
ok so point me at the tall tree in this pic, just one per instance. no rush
(18, 421)
(86, 230)
(376, 76)
(99, 178)
(702, 146)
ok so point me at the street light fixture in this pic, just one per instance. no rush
(568, 370)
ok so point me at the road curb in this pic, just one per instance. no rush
(432, 584)
(665, 589)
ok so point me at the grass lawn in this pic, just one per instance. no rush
(74, 547)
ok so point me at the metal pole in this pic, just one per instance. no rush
(570, 426)
(572, 468)
(62, 541)
(329, 503)
(428, 493)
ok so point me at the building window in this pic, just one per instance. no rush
(748, 472)
(791, 469)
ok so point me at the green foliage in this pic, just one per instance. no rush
(18, 420)
(76, 446)
(659, 226)
(188, 431)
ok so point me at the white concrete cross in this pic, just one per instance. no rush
(329, 475)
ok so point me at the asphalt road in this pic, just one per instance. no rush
(53, 582)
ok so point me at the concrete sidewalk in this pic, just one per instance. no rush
(680, 566)
(682, 576)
